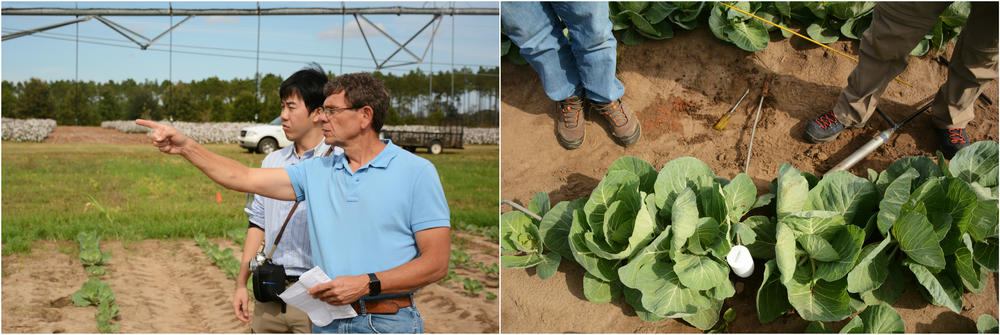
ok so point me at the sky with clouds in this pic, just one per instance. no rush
(226, 46)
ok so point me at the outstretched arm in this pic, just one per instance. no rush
(432, 265)
(271, 183)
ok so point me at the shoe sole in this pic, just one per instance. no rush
(813, 139)
(630, 140)
(569, 145)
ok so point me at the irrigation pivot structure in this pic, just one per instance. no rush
(359, 14)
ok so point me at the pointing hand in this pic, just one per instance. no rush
(166, 138)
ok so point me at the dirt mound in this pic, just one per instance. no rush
(169, 286)
(84, 134)
(678, 88)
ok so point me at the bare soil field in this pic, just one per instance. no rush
(169, 286)
(678, 88)
(85, 134)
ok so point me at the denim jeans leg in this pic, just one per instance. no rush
(594, 48)
(406, 321)
(534, 28)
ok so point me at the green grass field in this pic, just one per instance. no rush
(132, 192)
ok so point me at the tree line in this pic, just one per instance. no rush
(417, 98)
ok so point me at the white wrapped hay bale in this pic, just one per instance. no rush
(29, 130)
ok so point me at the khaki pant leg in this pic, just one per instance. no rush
(972, 66)
(298, 321)
(896, 29)
(267, 318)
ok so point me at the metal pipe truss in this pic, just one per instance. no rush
(264, 11)
(144, 43)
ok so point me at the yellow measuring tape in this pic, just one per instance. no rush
(804, 37)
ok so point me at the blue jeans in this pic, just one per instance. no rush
(582, 65)
(406, 321)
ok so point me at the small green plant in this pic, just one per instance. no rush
(106, 312)
(524, 239)
(472, 286)
(490, 296)
(491, 270)
(223, 258)
(460, 258)
(90, 252)
(93, 292)
(723, 327)
(96, 270)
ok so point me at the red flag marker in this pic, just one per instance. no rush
(218, 197)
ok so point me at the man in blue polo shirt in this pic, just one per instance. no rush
(378, 218)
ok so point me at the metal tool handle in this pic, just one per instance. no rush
(864, 151)
(721, 124)
(763, 94)
(522, 209)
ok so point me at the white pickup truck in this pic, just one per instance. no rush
(264, 138)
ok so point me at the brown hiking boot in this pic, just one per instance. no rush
(624, 126)
(569, 124)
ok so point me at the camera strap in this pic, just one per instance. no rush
(289, 217)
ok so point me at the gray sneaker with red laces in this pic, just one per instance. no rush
(624, 126)
(952, 140)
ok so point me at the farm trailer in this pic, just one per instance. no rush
(435, 141)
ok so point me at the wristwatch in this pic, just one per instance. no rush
(374, 285)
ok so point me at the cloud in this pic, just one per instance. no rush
(350, 31)
(222, 20)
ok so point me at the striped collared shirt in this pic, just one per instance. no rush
(293, 251)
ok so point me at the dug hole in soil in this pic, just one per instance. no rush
(678, 88)
(170, 286)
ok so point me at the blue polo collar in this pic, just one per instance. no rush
(381, 160)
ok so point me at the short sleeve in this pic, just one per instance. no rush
(297, 176)
(429, 207)
(256, 211)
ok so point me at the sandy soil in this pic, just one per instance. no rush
(145, 278)
(678, 88)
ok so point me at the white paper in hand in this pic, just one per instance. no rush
(320, 313)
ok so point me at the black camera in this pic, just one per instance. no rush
(268, 281)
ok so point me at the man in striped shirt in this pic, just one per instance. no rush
(301, 97)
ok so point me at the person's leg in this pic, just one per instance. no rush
(896, 28)
(267, 318)
(972, 66)
(296, 320)
(534, 28)
(594, 47)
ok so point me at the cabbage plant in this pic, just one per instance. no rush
(658, 239)
(653, 20)
(521, 244)
(818, 236)
(830, 247)
(847, 243)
